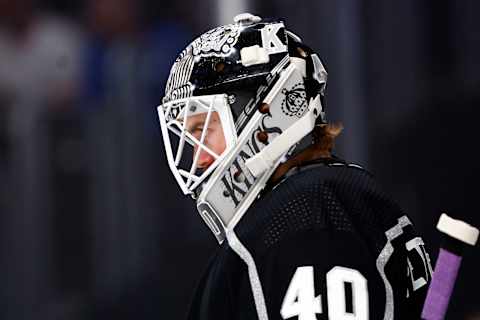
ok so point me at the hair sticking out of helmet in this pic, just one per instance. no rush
(323, 142)
(324, 138)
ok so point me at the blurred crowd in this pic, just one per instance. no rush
(80, 153)
(91, 226)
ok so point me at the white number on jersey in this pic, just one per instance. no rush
(300, 300)
(300, 297)
(336, 279)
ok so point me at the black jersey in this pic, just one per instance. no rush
(326, 243)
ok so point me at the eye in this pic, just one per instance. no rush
(197, 132)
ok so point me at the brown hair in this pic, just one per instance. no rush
(324, 138)
(323, 142)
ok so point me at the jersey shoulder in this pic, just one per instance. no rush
(334, 195)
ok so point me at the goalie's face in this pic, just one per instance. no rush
(198, 132)
(214, 137)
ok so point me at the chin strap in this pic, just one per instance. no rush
(267, 158)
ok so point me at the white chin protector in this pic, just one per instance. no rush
(238, 174)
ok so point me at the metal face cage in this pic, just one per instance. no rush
(197, 132)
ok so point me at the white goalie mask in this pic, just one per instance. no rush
(238, 101)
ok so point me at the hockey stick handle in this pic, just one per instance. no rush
(458, 236)
(441, 287)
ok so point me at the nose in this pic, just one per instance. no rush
(205, 159)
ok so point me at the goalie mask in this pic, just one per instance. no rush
(238, 101)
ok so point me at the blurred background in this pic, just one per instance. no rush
(92, 224)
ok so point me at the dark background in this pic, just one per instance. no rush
(92, 224)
